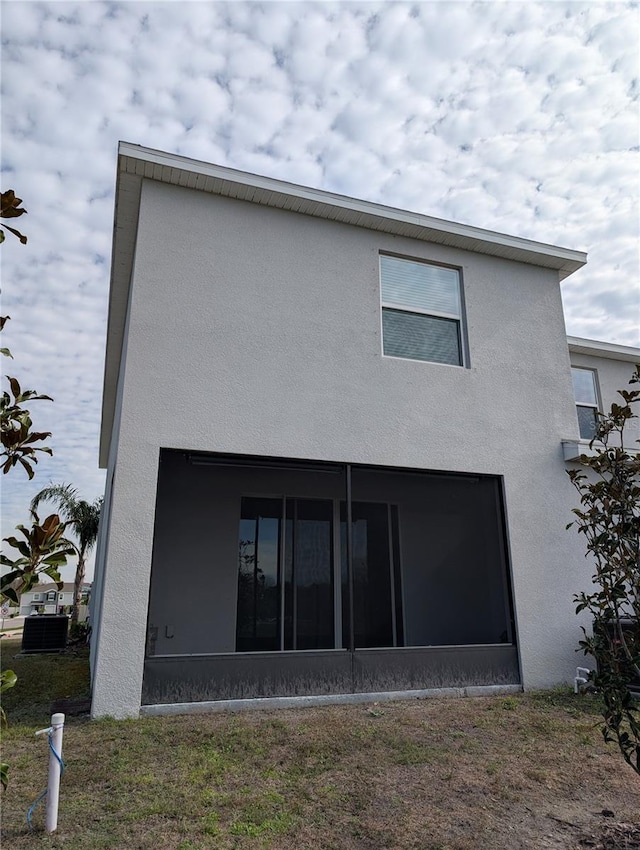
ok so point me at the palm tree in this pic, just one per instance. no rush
(83, 518)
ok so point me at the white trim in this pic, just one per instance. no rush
(597, 348)
(173, 167)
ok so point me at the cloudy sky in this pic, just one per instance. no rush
(521, 117)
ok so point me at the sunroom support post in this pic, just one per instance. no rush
(352, 628)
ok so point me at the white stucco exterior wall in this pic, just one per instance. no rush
(257, 331)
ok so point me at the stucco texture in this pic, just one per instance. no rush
(258, 331)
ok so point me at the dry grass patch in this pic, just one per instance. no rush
(42, 679)
(505, 772)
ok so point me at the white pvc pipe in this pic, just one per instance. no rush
(53, 789)
(582, 678)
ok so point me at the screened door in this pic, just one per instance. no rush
(289, 596)
(377, 594)
(285, 575)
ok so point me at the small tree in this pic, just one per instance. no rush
(10, 208)
(83, 519)
(17, 437)
(609, 519)
(43, 546)
(44, 549)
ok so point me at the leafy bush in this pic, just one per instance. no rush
(609, 519)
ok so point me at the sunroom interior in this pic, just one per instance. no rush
(281, 577)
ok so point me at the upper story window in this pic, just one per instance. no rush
(421, 311)
(586, 394)
(36, 596)
(51, 596)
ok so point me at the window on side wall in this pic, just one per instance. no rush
(422, 316)
(585, 391)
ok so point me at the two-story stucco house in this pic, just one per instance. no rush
(46, 599)
(336, 437)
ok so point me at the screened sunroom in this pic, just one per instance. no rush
(278, 577)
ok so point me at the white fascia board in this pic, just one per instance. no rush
(273, 192)
(610, 350)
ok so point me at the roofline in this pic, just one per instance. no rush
(597, 348)
(137, 163)
(172, 169)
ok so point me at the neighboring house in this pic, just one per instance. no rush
(47, 599)
(336, 437)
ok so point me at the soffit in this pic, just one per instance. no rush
(228, 182)
(608, 350)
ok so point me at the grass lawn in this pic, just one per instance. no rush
(526, 771)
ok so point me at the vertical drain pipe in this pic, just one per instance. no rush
(55, 769)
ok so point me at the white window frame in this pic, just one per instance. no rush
(36, 597)
(596, 390)
(460, 319)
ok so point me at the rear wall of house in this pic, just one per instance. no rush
(257, 331)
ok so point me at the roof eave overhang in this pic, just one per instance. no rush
(216, 179)
(609, 350)
(136, 163)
